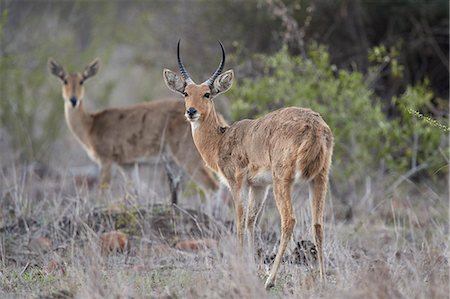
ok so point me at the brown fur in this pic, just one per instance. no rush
(252, 154)
(130, 134)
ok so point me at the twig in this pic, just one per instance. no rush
(174, 181)
(432, 40)
(400, 180)
(407, 175)
(191, 216)
(24, 269)
(428, 120)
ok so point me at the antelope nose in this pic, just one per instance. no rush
(73, 100)
(191, 111)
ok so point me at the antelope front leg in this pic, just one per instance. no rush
(239, 215)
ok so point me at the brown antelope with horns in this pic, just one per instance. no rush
(130, 134)
(278, 149)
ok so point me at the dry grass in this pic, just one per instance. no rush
(395, 245)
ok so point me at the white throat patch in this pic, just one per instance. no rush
(194, 125)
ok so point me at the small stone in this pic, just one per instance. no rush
(139, 268)
(40, 244)
(61, 294)
(160, 249)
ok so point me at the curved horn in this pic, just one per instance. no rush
(183, 71)
(219, 70)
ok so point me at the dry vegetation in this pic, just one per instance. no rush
(53, 244)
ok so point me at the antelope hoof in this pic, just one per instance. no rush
(104, 186)
(269, 284)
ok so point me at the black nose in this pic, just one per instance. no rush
(191, 111)
(73, 100)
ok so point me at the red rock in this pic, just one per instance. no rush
(196, 245)
(113, 241)
(88, 180)
(53, 266)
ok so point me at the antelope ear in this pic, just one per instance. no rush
(91, 69)
(173, 81)
(56, 69)
(222, 83)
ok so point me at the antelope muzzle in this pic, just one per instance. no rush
(192, 114)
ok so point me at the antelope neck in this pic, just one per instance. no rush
(79, 121)
(207, 138)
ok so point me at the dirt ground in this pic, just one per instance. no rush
(60, 239)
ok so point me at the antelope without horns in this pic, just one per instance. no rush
(130, 134)
(278, 149)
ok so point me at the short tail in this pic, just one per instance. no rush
(312, 156)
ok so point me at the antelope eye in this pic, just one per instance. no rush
(81, 82)
(65, 82)
(185, 94)
(207, 95)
